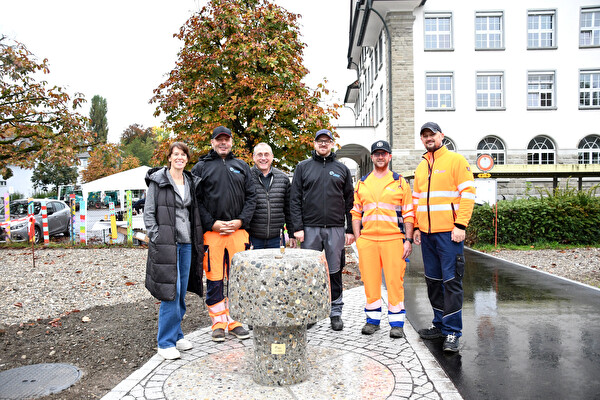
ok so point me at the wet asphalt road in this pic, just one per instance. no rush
(526, 334)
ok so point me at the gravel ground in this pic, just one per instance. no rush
(89, 308)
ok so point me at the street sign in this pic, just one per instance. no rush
(485, 162)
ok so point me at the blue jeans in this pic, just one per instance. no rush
(171, 312)
(257, 243)
(444, 265)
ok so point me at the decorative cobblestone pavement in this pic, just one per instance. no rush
(343, 365)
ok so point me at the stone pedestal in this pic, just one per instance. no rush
(279, 295)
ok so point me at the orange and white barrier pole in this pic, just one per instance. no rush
(45, 223)
(7, 216)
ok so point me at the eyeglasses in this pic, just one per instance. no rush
(322, 141)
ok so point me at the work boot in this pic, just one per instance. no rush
(369, 329)
(451, 343)
(218, 335)
(336, 323)
(397, 332)
(240, 333)
(432, 332)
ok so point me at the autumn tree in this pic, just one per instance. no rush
(37, 120)
(98, 120)
(139, 143)
(241, 66)
(46, 174)
(107, 159)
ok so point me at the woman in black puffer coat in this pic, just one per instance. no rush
(175, 249)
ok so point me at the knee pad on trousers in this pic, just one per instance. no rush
(335, 280)
(214, 292)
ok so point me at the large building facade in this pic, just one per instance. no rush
(519, 80)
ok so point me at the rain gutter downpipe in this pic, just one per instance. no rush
(370, 8)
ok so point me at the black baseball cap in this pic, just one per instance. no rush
(381, 145)
(220, 130)
(324, 132)
(432, 126)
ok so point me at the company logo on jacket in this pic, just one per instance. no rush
(334, 174)
(437, 171)
(236, 171)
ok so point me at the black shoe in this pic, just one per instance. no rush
(432, 332)
(369, 329)
(451, 343)
(250, 327)
(240, 333)
(336, 323)
(308, 326)
(396, 332)
(218, 335)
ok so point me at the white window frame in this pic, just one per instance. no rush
(541, 32)
(485, 33)
(538, 91)
(449, 143)
(436, 33)
(493, 146)
(437, 92)
(589, 27)
(381, 50)
(589, 150)
(592, 90)
(541, 150)
(382, 103)
(483, 81)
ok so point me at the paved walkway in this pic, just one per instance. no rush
(343, 365)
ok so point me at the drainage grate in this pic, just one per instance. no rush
(37, 380)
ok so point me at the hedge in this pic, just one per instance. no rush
(565, 216)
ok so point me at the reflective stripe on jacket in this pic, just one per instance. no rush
(383, 214)
(443, 191)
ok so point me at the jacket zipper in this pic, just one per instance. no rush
(428, 192)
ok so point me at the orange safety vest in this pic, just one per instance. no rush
(383, 214)
(443, 191)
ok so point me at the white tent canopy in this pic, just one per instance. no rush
(132, 179)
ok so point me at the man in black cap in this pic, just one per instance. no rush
(444, 196)
(382, 220)
(320, 203)
(226, 201)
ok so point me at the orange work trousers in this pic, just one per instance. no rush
(220, 249)
(373, 256)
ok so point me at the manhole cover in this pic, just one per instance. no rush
(37, 380)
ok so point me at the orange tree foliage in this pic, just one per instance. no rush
(107, 159)
(241, 66)
(37, 122)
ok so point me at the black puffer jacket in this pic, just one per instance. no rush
(322, 194)
(272, 206)
(226, 191)
(161, 267)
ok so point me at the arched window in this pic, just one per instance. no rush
(494, 147)
(589, 150)
(449, 143)
(541, 150)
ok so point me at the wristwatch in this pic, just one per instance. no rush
(410, 240)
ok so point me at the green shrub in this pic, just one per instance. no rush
(564, 216)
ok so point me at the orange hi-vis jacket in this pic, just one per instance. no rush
(443, 192)
(383, 211)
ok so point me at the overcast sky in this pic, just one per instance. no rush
(122, 50)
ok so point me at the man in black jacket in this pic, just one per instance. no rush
(226, 202)
(272, 211)
(321, 198)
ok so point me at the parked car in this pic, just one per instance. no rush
(59, 217)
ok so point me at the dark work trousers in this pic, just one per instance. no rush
(332, 240)
(444, 269)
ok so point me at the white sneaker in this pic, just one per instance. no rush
(169, 354)
(184, 344)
